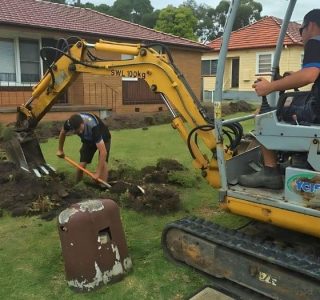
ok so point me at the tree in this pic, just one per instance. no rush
(136, 11)
(179, 21)
(211, 21)
(205, 29)
(248, 12)
(103, 8)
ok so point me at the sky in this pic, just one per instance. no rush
(276, 8)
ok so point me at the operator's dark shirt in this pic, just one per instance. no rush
(94, 129)
(312, 59)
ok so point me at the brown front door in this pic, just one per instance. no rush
(138, 92)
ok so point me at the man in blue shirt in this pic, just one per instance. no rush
(269, 176)
(94, 135)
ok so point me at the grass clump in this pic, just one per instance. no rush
(183, 179)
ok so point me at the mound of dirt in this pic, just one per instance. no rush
(229, 108)
(137, 120)
(150, 189)
(25, 194)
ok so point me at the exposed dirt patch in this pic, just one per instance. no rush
(25, 194)
(151, 189)
(229, 108)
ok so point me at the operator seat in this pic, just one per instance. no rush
(276, 134)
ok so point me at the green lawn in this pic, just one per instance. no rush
(30, 254)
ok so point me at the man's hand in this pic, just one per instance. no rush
(60, 153)
(262, 87)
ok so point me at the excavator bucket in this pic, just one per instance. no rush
(25, 151)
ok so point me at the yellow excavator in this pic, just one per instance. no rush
(278, 257)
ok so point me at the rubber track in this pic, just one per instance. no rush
(264, 250)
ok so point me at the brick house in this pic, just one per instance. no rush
(250, 55)
(28, 25)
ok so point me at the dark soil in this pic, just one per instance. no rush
(147, 190)
(24, 194)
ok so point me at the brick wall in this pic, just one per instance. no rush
(13, 97)
(95, 90)
(189, 63)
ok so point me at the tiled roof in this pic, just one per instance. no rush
(59, 17)
(261, 34)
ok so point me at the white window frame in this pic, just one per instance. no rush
(15, 58)
(15, 39)
(257, 61)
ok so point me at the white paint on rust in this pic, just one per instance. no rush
(117, 269)
(100, 276)
(91, 206)
(116, 250)
(65, 215)
(127, 263)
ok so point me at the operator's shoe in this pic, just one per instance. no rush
(265, 178)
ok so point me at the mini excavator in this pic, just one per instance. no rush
(281, 261)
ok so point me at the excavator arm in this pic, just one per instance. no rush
(158, 70)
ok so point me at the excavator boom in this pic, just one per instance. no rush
(157, 69)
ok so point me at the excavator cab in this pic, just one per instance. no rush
(277, 253)
(297, 145)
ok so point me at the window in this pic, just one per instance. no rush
(29, 60)
(207, 95)
(264, 62)
(7, 60)
(19, 61)
(209, 67)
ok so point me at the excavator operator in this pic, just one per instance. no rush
(269, 176)
(94, 135)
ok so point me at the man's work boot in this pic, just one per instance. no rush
(267, 177)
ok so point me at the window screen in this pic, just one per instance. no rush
(209, 67)
(264, 63)
(7, 60)
(205, 67)
(29, 60)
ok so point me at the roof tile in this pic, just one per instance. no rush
(261, 34)
(60, 17)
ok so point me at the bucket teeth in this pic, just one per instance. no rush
(25, 169)
(39, 171)
(36, 172)
(51, 168)
(45, 171)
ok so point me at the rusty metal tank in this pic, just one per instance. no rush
(93, 244)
